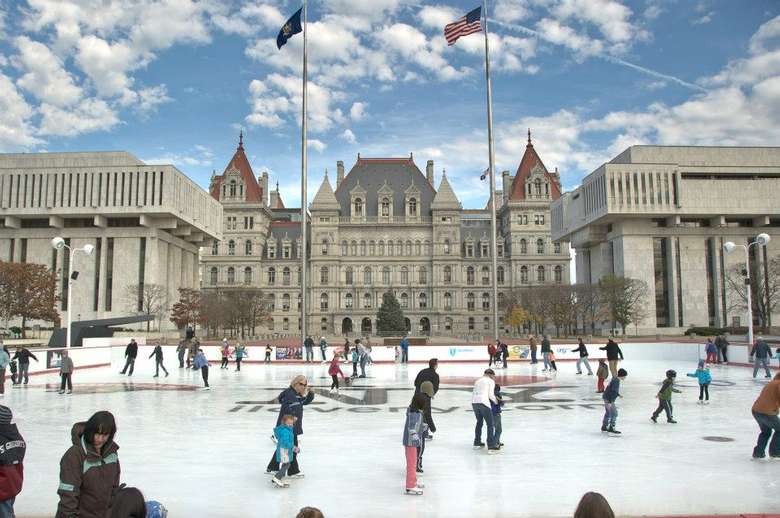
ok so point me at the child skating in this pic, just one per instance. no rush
(285, 447)
(665, 398)
(552, 362)
(414, 429)
(704, 377)
(201, 363)
(268, 351)
(225, 350)
(496, 409)
(66, 371)
(602, 373)
(334, 370)
(610, 408)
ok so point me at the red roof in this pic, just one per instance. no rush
(240, 162)
(529, 161)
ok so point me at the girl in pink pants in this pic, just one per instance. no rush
(414, 429)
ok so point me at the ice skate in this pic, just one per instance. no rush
(420, 484)
(493, 451)
(60, 392)
(604, 429)
(279, 483)
(415, 491)
(478, 445)
(654, 419)
(612, 430)
(70, 392)
(297, 475)
(671, 421)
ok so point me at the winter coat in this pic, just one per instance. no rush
(66, 365)
(157, 353)
(768, 401)
(427, 415)
(545, 345)
(665, 394)
(404, 344)
(131, 351)
(612, 391)
(24, 356)
(761, 350)
(334, 368)
(703, 375)
(225, 351)
(5, 359)
(200, 361)
(292, 404)
(240, 352)
(496, 407)
(414, 428)
(582, 350)
(721, 342)
(532, 343)
(427, 374)
(285, 442)
(308, 343)
(711, 348)
(492, 350)
(12, 450)
(355, 356)
(613, 351)
(603, 371)
(323, 344)
(88, 479)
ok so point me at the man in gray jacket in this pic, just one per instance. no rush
(762, 354)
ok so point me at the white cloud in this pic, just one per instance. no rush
(199, 156)
(560, 34)
(703, 20)
(149, 99)
(358, 111)
(44, 75)
(612, 18)
(437, 16)
(348, 136)
(87, 116)
(317, 145)
(16, 129)
(512, 10)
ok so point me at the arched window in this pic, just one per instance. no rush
(470, 275)
(540, 246)
(471, 323)
(386, 275)
(286, 302)
(523, 246)
(248, 275)
(298, 276)
(231, 277)
(215, 247)
(324, 275)
(524, 275)
(423, 275)
(412, 206)
(538, 186)
(371, 248)
(348, 276)
(447, 247)
(271, 276)
(408, 248)
(353, 247)
(427, 247)
(486, 323)
(485, 275)
(367, 275)
(231, 247)
(485, 301)
(366, 301)
(286, 276)
(500, 275)
(271, 304)
(399, 248)
(323, 302)
(540, 274)
(423, 300)
(404, 275)
(404, 300)
(348, 301)
(447, 301)
(344, 248)
(213, 276)
(557, 248)
(362, 248)
(447, 274)
(358, 207)
(324, 248)
(448, 324)
(558, 274)
(248, 247)
(500, 300)
(470, 301)
(232, 187)
(385, 207)
(381, 248)
(417, 248)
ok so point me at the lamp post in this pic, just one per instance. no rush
(58, 243)
(761, 240)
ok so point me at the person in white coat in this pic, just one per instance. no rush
(482, 396)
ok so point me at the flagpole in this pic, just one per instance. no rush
(304, 199)
(491, 158)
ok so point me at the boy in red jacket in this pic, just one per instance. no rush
(12, 449)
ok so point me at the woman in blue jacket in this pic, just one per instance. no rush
(292, 399)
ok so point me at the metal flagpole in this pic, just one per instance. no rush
(303, 183)
(491, 153)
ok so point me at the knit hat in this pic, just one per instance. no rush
(427, 388)
(701, 364)
(622, 373)
(5, 415)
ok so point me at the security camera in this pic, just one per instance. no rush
(88, 249)
(729, 246)
(57, 243)
(763, 239)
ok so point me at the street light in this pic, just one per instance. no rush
(761, 240)
(58, 243)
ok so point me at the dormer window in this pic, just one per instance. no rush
(286, 251)
(232, 188)
(358, 207)
(538, 186)
(272, 252)
(385, 207)
(413, 207)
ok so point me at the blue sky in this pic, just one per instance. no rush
(173, 81)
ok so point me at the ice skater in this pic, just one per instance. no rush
(765, 412)
(762, 354)
(491, 349)
(334, 370)
(240, 353)
(551, 360)
(610, 407)
(268, 351)
(23, 355)
(481, 398)
(503, 352)
(225, 350)
(704, 377)
(13, 367)
(202, 363)
(363, 354)
(613, 355)
(158, 360)
(414, 428)
(181, 350)
(66, 371)
(292, 400)
(665, 398)
(496, 409)
(131, 351)
(308, 345)
(712, 351)
(428, 374)
(723, 345)
(285, 449)
(427, 390)
(355, 360)
(602, 373)
(532, 346)
(323, 349)
(404, 349)
(11, 462)
(583, 357)
(546, 350)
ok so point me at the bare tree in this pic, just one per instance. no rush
(148, 299)
(590, 305)
(764, 287)
(237, 312)
(561, 305)
(625, 299)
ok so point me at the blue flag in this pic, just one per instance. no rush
(293, 26)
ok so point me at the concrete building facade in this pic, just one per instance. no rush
(661, 214)
(146, 222)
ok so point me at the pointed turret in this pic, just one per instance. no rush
(325, 199)
(529, 163)
(239, 163)
(445, 198)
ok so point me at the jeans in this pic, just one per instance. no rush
(610, 415)
(273, 465)
(491, 360)
(767, 423)
(497, 428)
(363, 361)
(267, 358)
(224, 364)
(322, 352)
(129, 363)
(546, 359)
(704, 391)
(238, 363)
(583, 360)
(504, 357)
(411, 466)
(724, 352)
(159, 365)
(404, 355)
(204, 372)
(354, 369)
(65, 381)
(7, 508)
(282, 471)
(533, 355)
(483, 413)
(763, 362)
(664, 406)
(309, 354)
(24, 372)
(181, 359)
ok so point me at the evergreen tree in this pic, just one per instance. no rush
(390, 318)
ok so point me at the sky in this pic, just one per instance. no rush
(174, 81)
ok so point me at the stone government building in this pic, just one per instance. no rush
(385, 227)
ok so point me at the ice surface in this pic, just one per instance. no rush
(203, 454)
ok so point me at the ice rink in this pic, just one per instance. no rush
(203, 454)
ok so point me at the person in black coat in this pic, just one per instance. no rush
(158, 360)
(23, 356)
(292, 399)
(503, 351)
(428, 374)
(131, 351)
(583, 357)
(424, 397)
(613, 354)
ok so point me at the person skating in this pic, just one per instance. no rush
(712, 351)
(613, 355)
(66, 371)
(23, 356)
(602, 373)
(481, 397)
(665, 398)
(551, 359)
(363, 355)
(89, 470)
(292, 400)
(583, 357)
(426, 389)
(268, 351)
(722, 344)
(11, 462)
(609, 397)
(761, 354)
(131, 351)
(704, 377)
(546, 350)
(192, 352)
(181, 350)
(308, 345)
(491, 349)
(532, 345)
(503, 352)
(240, 353)
(765, 412)
(334, 371)
(225, 350)
(428, 374)
(202, 363)
(414, 428)
(495, 408)
(5, 359)
(404, 350)
(323, 349)
(14, 368)
(158, 360)
(285, 448)
(355, 360)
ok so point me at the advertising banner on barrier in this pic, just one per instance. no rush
(289, 353)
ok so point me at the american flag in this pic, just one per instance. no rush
(469, 24)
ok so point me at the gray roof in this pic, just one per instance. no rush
(325, 199)
(373, 173)
(445, 198)
(62, 160)
(278, 232)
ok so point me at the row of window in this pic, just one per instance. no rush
(367, 324)
(522, 219)
(231, 223)
(385, 207)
